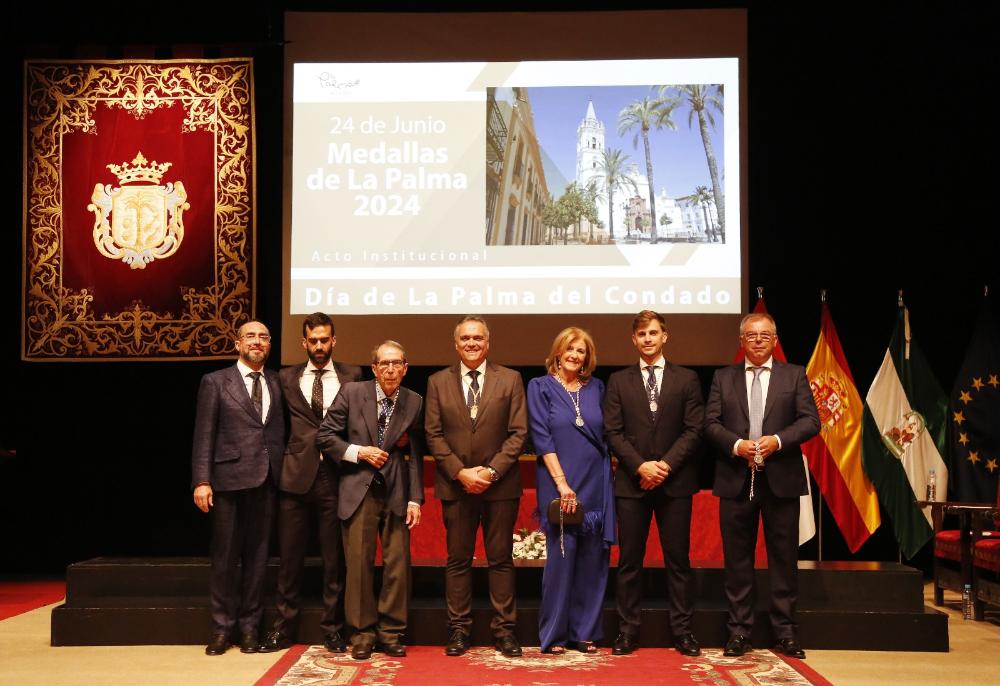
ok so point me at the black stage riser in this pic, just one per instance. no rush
(856, 606)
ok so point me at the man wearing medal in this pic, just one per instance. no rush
(476, 422)
(758, 414)
(653, 414)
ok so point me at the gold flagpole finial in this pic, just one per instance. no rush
(822, 295)
(986, 290)
(899, 297)
(760, 292)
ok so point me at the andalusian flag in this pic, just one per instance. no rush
(835, 454)
(906, 413)
(975, 416)
(807, 519)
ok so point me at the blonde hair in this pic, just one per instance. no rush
(561, 343)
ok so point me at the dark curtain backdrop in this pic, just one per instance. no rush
(872, 153)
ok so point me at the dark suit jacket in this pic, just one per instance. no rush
(232, 448)
(301, 454)
(789, 412)
(353, 418)
(494, 440)
(674, 437)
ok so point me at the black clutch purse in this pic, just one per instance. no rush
(557, 516)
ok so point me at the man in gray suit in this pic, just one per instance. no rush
(239, 438)
(309, 485)
(758, 414)
(375, 431)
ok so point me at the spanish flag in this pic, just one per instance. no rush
(834, 455)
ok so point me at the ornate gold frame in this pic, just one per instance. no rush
(59, 323)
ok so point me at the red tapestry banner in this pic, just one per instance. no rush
(139, 208)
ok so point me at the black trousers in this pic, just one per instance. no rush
(673, 519)
(738, 520)
(241, 531)
(296, 512)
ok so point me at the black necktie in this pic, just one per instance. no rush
(256, 394)
(651, 387)
(317, 393)
(383, 418)
(473, 398)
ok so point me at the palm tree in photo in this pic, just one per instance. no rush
(612, 165)
(702, 197)
(643, 115)
(702, 98)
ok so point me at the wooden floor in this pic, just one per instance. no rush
(26, 659)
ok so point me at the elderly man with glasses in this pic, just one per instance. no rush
(374, 430)
(758, 414)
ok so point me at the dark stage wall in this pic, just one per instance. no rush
(872, 154)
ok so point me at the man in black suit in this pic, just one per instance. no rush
(653, 414)
(375, 431)
(309, 484)
(239, 437)
(758, 413)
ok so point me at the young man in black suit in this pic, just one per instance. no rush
(653, 413)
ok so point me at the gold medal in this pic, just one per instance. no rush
(579, 420)
(473, 411)
(652, 406)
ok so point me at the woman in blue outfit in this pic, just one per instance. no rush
(564, 414)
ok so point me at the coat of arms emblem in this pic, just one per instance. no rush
(831, 399)
(146, 218)
(898, 438)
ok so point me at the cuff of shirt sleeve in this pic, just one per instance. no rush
(351, 454)
(778, 439)
(736, 447)
(413, 504)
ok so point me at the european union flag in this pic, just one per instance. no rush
(975, 416)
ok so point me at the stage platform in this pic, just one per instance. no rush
(842, 605)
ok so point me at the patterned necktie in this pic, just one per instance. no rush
(317, 393)
(256, 394)
(383, 418)
(756, 405)
(651, 388)
(473, 398)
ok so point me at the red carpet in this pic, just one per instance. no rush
(17, 597)
(483, 666)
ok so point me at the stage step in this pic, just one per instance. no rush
(842, 605)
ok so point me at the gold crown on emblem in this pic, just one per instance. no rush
(139, 170)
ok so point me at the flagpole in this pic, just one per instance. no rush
(819, 493)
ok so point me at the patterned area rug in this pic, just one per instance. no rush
(314, 666)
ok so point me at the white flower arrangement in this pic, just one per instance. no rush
(529, 545)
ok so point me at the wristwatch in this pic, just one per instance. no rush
(494, 474)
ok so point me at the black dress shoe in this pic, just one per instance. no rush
(218, 645)
(624, 645)
(457, 644)
(790, 647)
(687, 644)
(737, 645)
(395, 649)
(275, 641)
(361, 651)
(249, 643)
(334, 643)
(509, 646)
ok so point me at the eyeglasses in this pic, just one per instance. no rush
(262, 337)
(763, 337)
(386, 364)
